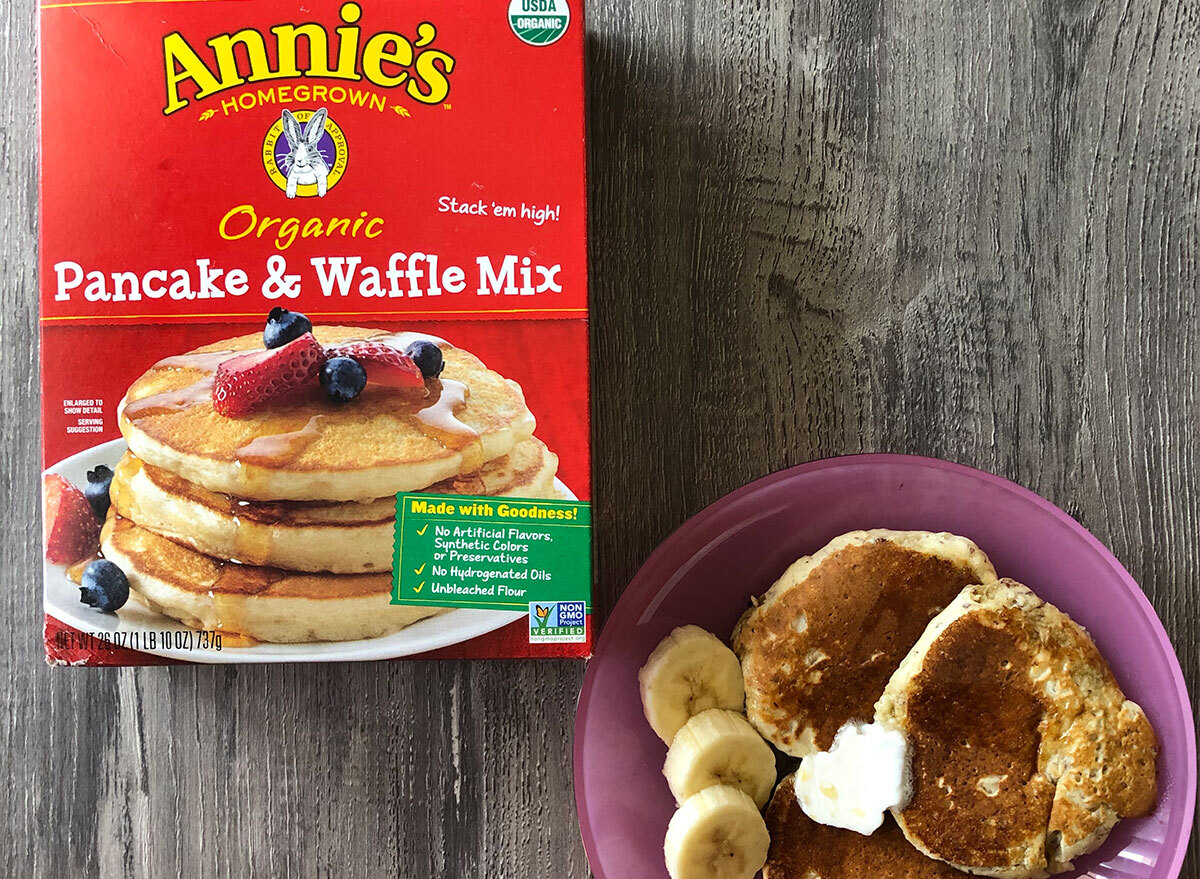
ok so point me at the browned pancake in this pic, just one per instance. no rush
(288, 514)
(819, 647)
(803, 849)
(264, 604)
(347, 537)
(1024, 750)
(522, 473)
(303, 446)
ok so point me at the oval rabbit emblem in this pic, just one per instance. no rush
(304, 153)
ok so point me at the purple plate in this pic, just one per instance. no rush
(706, 572)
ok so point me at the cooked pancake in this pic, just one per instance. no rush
(349, 537)
(819, 647)
(803, 849)
(305, 447)
(1025, 752)
(262, 604)
(527, 471)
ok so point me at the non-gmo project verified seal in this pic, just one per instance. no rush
(557, 622)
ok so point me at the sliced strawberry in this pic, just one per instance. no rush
(72, 530)
(245, 382)
(385, 365)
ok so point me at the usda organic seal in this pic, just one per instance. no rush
(538, 22)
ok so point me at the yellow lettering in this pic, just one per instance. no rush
(224, 47)
(287, 233)
(287, 36)
(182, 64)
(433, 70)
(387, 59)
(390, 49)
(243, 221)
(348, 45)
(244, 210)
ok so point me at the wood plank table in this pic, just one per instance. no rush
(966, 230)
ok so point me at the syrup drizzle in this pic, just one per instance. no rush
(238, 578)
(75, 572)
(404, 339)
(204, 360)
(181, 398)
(279, 447)
(436, 412)
(227, 599)
(251, 546)
(446, 397)
(122, 498)
(177, 400)
(227, 593)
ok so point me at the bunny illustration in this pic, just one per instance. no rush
(305, 163)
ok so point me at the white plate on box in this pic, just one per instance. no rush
(62, 603)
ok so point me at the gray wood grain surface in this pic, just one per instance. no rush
(960, 229)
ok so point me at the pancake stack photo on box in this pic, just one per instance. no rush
(915, 715)
(258, 494)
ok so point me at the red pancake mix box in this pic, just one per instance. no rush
(314, 331)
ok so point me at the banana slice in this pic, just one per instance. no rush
(720, 747)
(690, 671)
(716, 834)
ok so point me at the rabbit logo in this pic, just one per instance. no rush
(304, 153)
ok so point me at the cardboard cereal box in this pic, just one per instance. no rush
(314, 330)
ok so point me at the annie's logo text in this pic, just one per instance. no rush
(385, 59)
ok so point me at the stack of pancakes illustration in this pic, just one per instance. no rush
(277, 524)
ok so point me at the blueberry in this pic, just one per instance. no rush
(283, 326)
(104, 586)
(343, 378)
(96, 490)
(427, 356)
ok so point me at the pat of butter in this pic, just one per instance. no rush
(852, 784)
